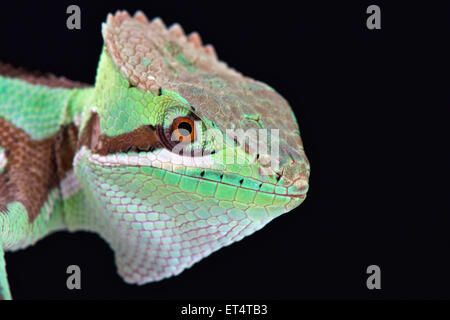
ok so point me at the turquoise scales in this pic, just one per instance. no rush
(106, 158)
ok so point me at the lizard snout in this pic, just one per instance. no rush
(295, 176)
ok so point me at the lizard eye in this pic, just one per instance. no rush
(183, 130)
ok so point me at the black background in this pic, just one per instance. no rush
(364, 100)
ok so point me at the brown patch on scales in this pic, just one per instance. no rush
(144, 138)
(34, 167)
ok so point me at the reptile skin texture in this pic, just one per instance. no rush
(163, 157)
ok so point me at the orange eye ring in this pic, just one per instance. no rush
(183, 130)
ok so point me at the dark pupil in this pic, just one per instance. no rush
(186, 127)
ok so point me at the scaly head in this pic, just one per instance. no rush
(181, 154)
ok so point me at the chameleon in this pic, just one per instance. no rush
(158, 157)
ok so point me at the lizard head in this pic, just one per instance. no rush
(181, 154)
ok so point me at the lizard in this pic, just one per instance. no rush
(155, 157)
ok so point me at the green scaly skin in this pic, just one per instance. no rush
(160, 212)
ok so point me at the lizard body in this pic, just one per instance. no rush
(144, 158)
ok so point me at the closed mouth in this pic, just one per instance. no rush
(199, 168)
